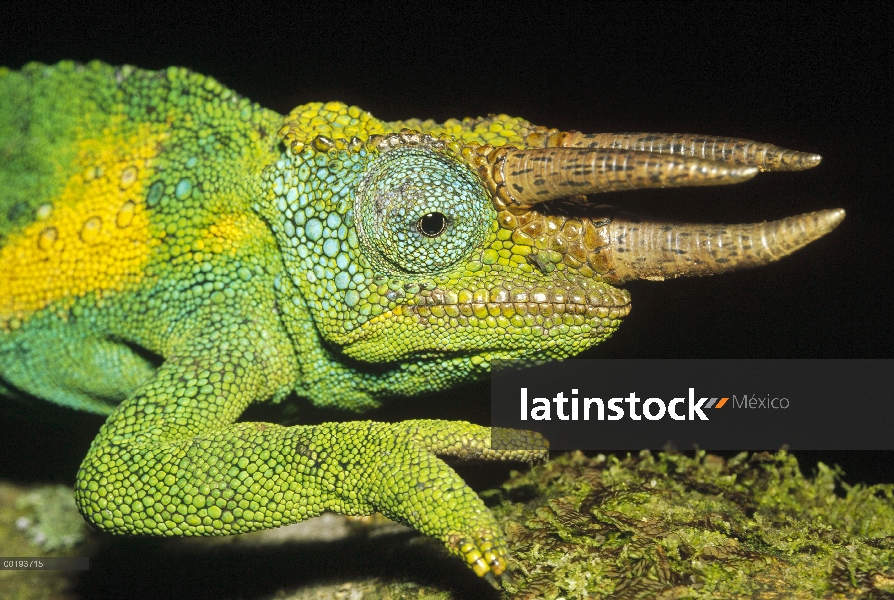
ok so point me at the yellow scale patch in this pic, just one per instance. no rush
(94, 237)
(340, 121)
(227, 234)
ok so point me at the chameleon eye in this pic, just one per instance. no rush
(432, 225)
(420, 212)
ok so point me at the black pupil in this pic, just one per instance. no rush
(432, 225)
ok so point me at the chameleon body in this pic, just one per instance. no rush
(171, 252)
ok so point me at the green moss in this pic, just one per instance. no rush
(37, 522)
(50, 518)
(673, 526)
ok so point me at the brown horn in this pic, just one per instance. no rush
(540, 174)
(642, 249)
(727, 150)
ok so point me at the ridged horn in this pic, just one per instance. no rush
(539, 174)
(642, 249)
(727, 150)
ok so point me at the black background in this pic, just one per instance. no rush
(811, 77)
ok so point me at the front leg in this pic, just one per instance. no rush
(172, 461)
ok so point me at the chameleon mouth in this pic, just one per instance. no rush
(520, 302)
(564, 322)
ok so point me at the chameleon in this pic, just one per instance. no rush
(171, 252)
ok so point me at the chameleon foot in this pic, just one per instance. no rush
(478, 539)
(485, 554)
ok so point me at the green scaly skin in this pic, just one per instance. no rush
(159, 211)
(171, 252)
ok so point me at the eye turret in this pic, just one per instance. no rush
(420, 212)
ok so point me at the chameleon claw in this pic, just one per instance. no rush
(492, 580)
(507, 577)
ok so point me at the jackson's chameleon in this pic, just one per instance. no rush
(327, 254)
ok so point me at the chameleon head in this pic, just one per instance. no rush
(441, 243)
